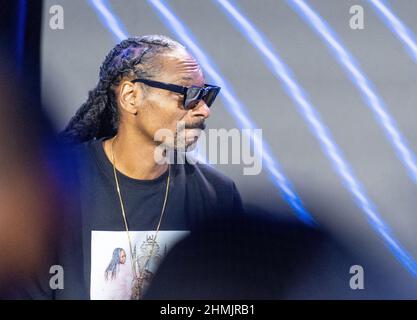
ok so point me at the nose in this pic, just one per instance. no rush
(201, 110)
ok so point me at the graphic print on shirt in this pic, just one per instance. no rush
(112, 276)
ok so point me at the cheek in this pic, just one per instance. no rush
(161, 112)
(167, 113)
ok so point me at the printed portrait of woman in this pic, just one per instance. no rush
(118, 258)
(118, 276)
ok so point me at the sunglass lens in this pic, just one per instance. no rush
(192, 104)
(210, 96)
(195, 94)
(193, 97)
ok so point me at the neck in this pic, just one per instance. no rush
(134, 156)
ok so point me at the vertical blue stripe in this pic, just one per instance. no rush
(20, 34)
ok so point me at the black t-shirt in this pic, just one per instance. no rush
(94, 250)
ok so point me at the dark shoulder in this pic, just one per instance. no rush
(214, 184)
(209, 173)
(81, 154)
(82, 149)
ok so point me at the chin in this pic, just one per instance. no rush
(188, 145)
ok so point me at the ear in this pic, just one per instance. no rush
(128, 94)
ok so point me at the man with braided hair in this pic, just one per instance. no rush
(127, 198)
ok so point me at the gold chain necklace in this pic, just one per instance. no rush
(139, 278)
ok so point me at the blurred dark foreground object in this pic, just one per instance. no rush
(254, 257)
(33, 183)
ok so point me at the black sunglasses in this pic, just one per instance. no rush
(192, 95)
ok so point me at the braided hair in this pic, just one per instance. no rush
(132, 58)
(114, 262)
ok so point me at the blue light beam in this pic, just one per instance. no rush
(235, 107)
(397, 27)
(109, 20)
(359, 79)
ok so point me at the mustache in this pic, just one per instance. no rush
(196, 125)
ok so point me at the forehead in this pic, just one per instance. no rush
(179, 67)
